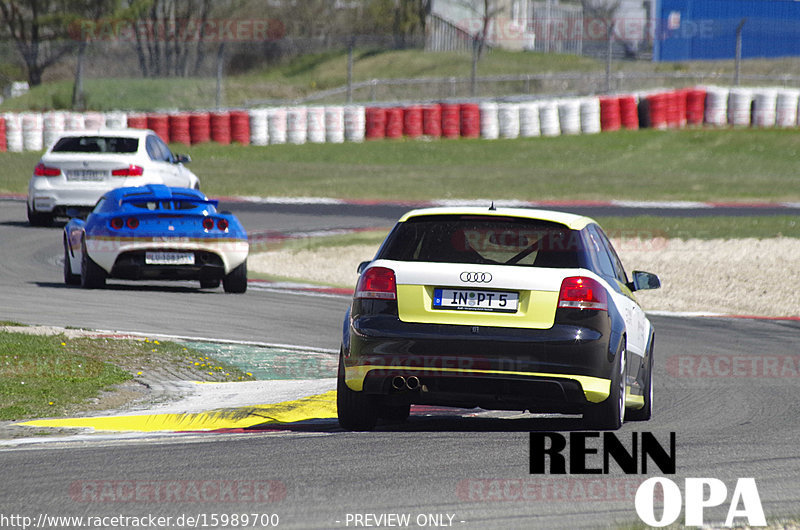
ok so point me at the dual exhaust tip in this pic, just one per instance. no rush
(405, 383)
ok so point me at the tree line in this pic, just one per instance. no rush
(171, 38)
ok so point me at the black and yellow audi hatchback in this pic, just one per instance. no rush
(498, 308)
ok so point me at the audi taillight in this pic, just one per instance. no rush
(208, 223)
(117, 223)
(132, 223)
(222, 224)
(42, 170)
(581, 292)
(131, 171)
(377, 283)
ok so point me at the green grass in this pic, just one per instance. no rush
(297, 78)
(694, 165)
(41, 377)
(54, 375)
(120, 94)
(655, 165)
(310, 73)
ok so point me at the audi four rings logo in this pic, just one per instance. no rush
(476, 277)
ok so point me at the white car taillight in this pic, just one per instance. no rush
(130, 171)
(42, 170)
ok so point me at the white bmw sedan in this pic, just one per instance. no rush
(82, 165)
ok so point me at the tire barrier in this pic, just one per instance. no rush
(490, 128)
(116, 120)
(765, 104)
(240, 127)
(276, 125)
(432, 120)
(451, 120)
(590, 115)
(315, 125)
(199, 127)
(548, 118)
(716, 113)
(412, 121)
(529, 119)
(13, 123)
(32, 131)
(179, 128)
(354, 123)
(786, 108)
(657, 111)
(764, 107)
(629, 112)
(55, 124)
(739, 102)
(75, 121)
(220, 125)
(469, 115)
(297, 125)
(158, 123)
(695, 106)
(135, 121)
(259, 127)
(394, 123)
(610, 114)
(508, 120)
(569, 116)
(375, 127)
(334, 125)
(93, 121)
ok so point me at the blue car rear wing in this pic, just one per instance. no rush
(175, 197)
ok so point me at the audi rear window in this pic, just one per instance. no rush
(96, 144)
(491, 240)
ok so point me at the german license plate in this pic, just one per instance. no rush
(169, 258)
(472, 300)
(88, 175)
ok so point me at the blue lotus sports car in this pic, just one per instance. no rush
(156, 232)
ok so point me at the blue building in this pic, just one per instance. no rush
(706, 29)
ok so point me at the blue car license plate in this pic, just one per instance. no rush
(169, 258)
(473, 300)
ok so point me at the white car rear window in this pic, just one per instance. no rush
(96, 144)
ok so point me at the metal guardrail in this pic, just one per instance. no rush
(537, 85)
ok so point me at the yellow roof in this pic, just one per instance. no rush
(573, 221)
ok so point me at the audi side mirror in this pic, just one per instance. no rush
(643, 281)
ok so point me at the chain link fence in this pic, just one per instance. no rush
(526, 86)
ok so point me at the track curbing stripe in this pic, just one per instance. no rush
(320, 406)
